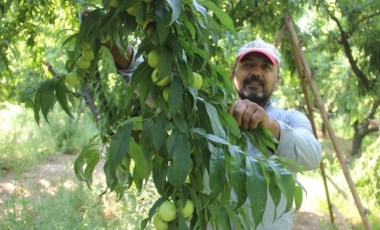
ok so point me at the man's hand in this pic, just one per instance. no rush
(249, 115)
(121, 59)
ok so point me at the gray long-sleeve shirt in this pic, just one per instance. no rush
(297, 140)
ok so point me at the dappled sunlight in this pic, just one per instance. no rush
(13, 189)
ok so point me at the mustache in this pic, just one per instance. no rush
(253, 78)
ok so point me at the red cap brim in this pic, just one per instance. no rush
(255, 50)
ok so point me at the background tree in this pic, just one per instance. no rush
(352, 32)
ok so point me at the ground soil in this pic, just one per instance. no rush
(45, 176)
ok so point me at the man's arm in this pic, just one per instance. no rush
(298, 142)
(123, 61)
(296, 139)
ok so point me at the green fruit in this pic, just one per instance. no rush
(114, 3)
(72, 78)
(85, 46)
(104, 39)
(160, 82)
(132, 10)
(187, 180)
(159, 224)
(146, 23)
(165, 93)
(198, 81)
(88, 54)
(83, 63)
(167, 211)
(188, 210)
(153, 59)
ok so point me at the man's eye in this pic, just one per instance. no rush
(247, 65)
(266, 67)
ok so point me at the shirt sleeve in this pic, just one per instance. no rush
(135, 62)
(298, 142)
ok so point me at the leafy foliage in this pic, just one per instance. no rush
(366, 171)
(190, 36)
(191, 133)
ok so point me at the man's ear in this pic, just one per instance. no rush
(233, 71)
(278, 81)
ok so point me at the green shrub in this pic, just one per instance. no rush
(367, 174)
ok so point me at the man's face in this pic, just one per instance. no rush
(255, 78)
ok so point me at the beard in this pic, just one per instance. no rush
(254, 90)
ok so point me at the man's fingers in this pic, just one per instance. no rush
(254, 121)
(249, 113)
(238, 112)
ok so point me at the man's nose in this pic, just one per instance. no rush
(255, 71)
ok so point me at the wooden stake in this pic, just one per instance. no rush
(319, 101)
(301, 75)
(310, 114)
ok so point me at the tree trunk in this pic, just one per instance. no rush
(357, 140)
(361, 130)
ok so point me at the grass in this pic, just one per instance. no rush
(24, 144)
(77, 207)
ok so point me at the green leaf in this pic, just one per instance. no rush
(45, 96)
(202, 11)
(160, 171)
(275, 193)
(217, 170)
(223, 17)
(119, 146)
(216, 139)
(163, 19)
(298, 196)
(217, 127)
(262, 139)
(86, 162)
(166, 58)
(140, 75)
(36, 108)
(180, 122)
(61, 94)
(235, 219)
(88, 159)
(118, 150)
(230, 123)
(285, 181)
(143, 166)
(220, 216)
(175, 96)
(179, 149)
(237, 177)
(257, 188)
(158, 131)
(176, 6)
(189, 26)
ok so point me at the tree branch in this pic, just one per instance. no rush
(344, 35)
(367, 17)
(90, 103)
(50, 68)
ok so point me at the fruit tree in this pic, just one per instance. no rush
(169, 121)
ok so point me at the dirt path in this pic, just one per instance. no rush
(48, 176)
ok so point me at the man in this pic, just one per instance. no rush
(255, 77)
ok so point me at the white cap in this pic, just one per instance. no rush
(259, 46)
